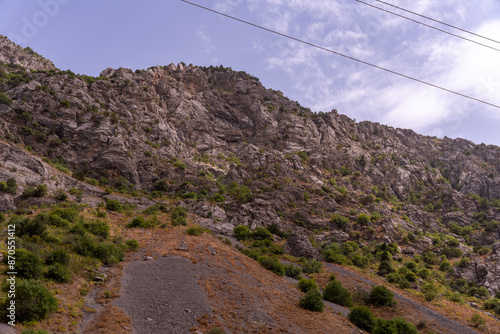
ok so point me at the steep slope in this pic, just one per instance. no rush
(235, 153)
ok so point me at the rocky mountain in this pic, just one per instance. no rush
(236, 153)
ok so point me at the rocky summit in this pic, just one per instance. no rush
(231, 152)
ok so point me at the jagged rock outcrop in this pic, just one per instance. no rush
(300, 246)
(236, 153)
(483, 271)
(13, 54)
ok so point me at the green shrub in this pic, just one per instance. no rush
(60, 256)
(40, 190)
(28, 264)
(272, 263)
(261, 233)
(56, 220)
(385, 268)
(430, 292)
(336, 293)
(58, 273)
(360, 260)
(178, 211)
(60, 195)
(362, 317)
(456, 297)
(65, 103)
(179, 165)
(383, 326)
(132, 244)
(293, 271)
(311, 266)
(70, 214)
(381, 296)
(11, 185)
(140, 222)
(109, 253)
(363, 219)
(404, 327)
(412, 266)
(241, 232)
(218, 197)
(98, 228)
(493, 304)
(34, 331)
(32, 227)
(191, 195)
(312, 301)
(305, 285)
(445, 265)
(349, 247)
(34, 302)
(113, 205)
(334, 256)
(477, 321)
(368, 199)
(464, 262)
(424, 273)
(179, 221)
(340, 221)
(195, 230)
(4, 99)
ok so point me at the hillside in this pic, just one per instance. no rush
(230, 152)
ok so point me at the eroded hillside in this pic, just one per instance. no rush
(231, 152)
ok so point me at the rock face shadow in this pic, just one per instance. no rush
(162, 295)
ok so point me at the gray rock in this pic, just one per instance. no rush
(299, 245)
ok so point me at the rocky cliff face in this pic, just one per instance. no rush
(247, 154)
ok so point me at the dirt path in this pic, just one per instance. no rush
(432, 317)
(162, 295)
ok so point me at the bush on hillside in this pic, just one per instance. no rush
(34, 302)
(305, 285)
(28, 264)
(336, 293)
(241, 232)
(362, 317)
(381, 296)
(312, 301)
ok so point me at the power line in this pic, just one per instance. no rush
(342, 55)
(427, 25)
(441, 22)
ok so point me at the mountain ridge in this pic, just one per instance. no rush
(235, 153)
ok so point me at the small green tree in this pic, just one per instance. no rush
(28, 264)
(383, 326)
(336, 293)
(363, 317)
(363, 219)
(312, 301)
(34, 302)
(113, 205)
(381, 296)
(241, 232)
(305, 285)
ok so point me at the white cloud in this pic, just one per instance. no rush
(205, 40)
(324, 81)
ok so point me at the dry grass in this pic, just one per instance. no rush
(110, 320)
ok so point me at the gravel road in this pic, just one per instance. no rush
(162, 295)
(432, 316)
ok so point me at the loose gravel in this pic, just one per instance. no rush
(162, 295)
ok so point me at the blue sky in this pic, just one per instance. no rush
(88, 36)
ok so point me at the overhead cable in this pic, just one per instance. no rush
(343, 55)
(441, 22)
(427, 25)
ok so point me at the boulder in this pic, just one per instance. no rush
(299, 245)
